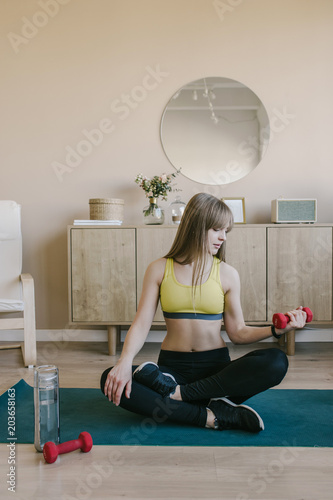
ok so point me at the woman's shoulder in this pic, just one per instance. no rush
(227, 267)
(156, 268)
(229, 276)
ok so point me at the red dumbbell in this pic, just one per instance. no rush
(280, 320)
(52, 450)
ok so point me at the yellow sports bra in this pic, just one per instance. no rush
(177, 300)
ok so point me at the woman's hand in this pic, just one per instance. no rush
(118, 379)
(297, 319)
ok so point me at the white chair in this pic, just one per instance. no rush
(16, 289)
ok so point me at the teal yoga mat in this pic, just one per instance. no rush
(292, 417)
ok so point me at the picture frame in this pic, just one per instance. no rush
(237, 206)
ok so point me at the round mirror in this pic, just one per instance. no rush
(216, 130)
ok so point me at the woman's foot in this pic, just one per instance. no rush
(150, 375)
(228, 415)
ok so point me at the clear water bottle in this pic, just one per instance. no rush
(46, 402)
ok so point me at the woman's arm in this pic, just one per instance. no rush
(237, 330)
(120, 377)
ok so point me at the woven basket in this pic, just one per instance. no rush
(106, 209)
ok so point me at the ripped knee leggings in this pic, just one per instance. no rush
(204, 375)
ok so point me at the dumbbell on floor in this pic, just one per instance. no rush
(281, 320)
(52, 450)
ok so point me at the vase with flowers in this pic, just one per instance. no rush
(157, 186)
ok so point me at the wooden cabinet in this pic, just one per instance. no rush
(246, 252)
(299, 263)
(102, 271)
(280, 267)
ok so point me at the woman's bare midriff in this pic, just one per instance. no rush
(186, 335)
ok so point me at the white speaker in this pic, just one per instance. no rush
(285, 210)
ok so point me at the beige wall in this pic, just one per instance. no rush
(69, 73)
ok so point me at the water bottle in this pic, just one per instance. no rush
(46, 402)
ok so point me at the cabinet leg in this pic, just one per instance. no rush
(291, 343)
(113, 339)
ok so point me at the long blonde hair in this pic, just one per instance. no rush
(203, 212)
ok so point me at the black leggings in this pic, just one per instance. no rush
(204, 375)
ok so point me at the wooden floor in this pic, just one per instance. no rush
(125, 472)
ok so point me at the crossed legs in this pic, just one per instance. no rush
(202, 376)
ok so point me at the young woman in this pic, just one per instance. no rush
(194, 381)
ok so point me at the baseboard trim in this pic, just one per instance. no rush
(78, 335)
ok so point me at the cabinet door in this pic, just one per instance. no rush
(103, 275)
(246, 252)
(300, 270)
(152, 243)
